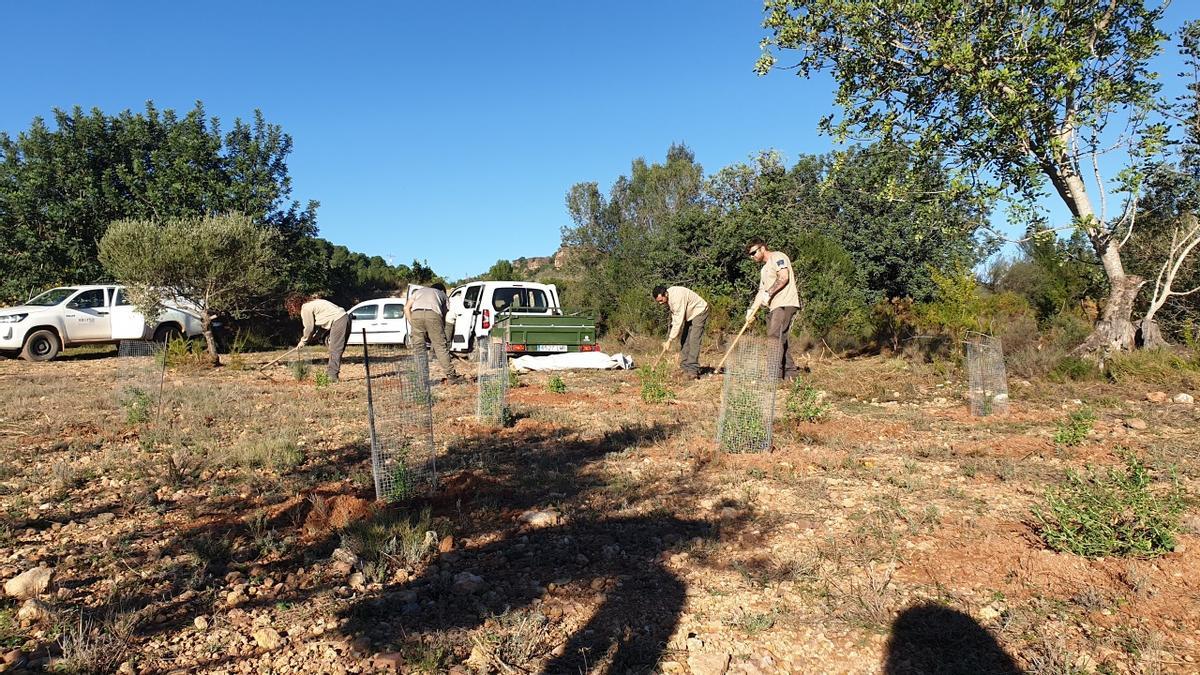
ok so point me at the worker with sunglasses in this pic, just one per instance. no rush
(778, 293)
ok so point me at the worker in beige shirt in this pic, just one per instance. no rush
(425, 311)
(778, 293)
(315, 312)
(689, 314)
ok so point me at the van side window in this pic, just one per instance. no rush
(365, 313)
(393, 311)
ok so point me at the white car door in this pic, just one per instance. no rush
(127, 322)
(364, 315)
(87, 317)
(392, 327)
(466, 318)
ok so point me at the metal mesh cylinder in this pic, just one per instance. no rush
(748, 396)
(492, 378)
(400, 415)
(987, 379)
(141, 369)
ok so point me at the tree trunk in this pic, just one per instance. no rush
(1115, 330)
(1150, 337)
(210, 340)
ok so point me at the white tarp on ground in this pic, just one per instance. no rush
(573, 361)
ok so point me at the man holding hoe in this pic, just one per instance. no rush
(777, 292)
(689, 313)
(315, 312)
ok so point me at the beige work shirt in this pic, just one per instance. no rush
(685, 305)
(788, 296)
(428, 298)
(318, 313)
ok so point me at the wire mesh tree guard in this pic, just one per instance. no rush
(400, 418)
(987, 379)
(748, 396)
(491, 405)
(141, 370)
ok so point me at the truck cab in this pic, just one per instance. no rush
(92, 314)
(474, 307)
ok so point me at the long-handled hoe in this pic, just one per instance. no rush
(733, 344)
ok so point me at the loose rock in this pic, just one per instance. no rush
(30, 583)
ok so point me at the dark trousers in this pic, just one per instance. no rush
(689, 344)
(779, 325)
(338, 332)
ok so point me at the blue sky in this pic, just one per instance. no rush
(448, 133)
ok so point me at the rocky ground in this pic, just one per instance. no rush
(235, 529)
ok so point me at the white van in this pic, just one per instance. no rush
(474, 307)
(382, 319)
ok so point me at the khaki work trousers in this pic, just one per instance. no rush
(428, 323)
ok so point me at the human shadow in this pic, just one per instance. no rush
(932, 639)
(615, 563)
(599, 586)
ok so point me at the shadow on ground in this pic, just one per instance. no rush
(932, 639)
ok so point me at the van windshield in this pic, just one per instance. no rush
(51, 297)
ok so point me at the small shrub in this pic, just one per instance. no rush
(743, 428)
(514, 380)
(279, 453)
(389, 541)
(804, 403)
(491, 402)
(556, 385)
(1074, 429)
(300, 368)
(1113, 513)
(1075, 369)
(138, 405)
(654, 389)
(321, 379)
(401, 482)
(185, 354)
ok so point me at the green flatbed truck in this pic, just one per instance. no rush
(562, 332)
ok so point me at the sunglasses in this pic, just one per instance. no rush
(754, 251)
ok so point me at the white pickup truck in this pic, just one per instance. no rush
(79, 315)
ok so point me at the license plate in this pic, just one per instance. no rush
(551, 348)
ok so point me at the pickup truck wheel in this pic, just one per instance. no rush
(168, 332)
(41, 345)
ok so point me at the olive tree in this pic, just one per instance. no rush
(1015, 93)
(219, 263)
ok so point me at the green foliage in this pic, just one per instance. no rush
(503, 270)
(321, 379)
(804, 402)
(1074, 429)
(300, 369)
(1054, 275)
(1112, 513)
(401, 482)
(1160, 366)
(743, 427)
(138, 404)
(654, 388)
(61, 185)
(492, 408)
(1075, 369)
(221, 264)
(555, 385)
(514, 380)
(833, 288)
